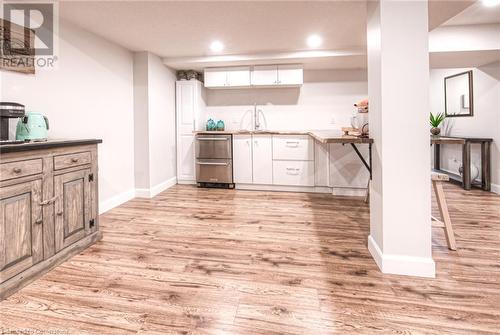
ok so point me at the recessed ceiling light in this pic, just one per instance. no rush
(216, 46)
(314, 41)
(490, 3)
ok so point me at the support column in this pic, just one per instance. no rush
(398, 89)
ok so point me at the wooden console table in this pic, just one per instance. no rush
(466, 142)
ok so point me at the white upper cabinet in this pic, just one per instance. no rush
(277, 75)
(238, 76)
(215, 77)
(265, 75)
(290, 75)
(286, 75)
(227, 77)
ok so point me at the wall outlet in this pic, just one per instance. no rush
(333, 120)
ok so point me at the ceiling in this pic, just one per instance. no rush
(476, 14)
(181, 31)
(178, 29)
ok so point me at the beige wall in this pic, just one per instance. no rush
(484, 123)
(88, 95)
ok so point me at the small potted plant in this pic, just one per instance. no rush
(435, 121)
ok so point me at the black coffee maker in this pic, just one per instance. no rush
(9, 110)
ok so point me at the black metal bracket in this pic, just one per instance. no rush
(363, 160)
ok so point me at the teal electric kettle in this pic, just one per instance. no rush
(32, 127)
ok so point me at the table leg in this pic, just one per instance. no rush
(466, 182)
(485, 166)
(437, 156)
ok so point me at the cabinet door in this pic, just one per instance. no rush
(72, 207)
(185, 157)
(238, 76)
(185, 97)
(290, 75)
(262, 159)
(293, 173)
(242, 159)
(265, 75)
(21, 228)
(216, 77)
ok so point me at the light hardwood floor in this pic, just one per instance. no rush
(205, 261)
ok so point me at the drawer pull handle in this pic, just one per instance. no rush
(292, 144)
(60, 213)
(74, 160)
(17, 170)
(39, 221)
(212, 139)
(207, 163)
(48, 202)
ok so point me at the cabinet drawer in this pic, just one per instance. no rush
(20, 168)
(70, 160)
(296, 147)
(297, 173)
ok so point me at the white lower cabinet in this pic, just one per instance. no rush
(252, 159)
(293, 173)
(281, 160)
(293, 147)
(242, 159)
(262, 159)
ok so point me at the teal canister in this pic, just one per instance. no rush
(220, 125)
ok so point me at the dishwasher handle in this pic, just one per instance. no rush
(212, 139)
(212, 163)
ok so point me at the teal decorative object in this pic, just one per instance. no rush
(211, 125)
(33, 126)
(220, 125)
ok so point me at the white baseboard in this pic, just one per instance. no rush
(342, 191)
(115, 201)
(157, 189)
(402, 265)
(186, 182)
(495, 188)
(282, 188)
(349, 191)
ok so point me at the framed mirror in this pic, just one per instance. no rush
(458, 99)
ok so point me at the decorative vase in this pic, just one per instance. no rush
(211, 125)
(435, 131)
(220, 125)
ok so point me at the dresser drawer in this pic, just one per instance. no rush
(70, 160)
(18, 169)
(293, 147)
(296, 173)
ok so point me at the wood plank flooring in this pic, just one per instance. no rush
(205, 261)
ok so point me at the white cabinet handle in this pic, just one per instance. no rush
(292, 144)
(292, 171)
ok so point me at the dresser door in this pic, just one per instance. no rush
(21, 228)
(72, 207)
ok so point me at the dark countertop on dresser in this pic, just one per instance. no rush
(49, 144)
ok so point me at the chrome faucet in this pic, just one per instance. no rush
(256, 121)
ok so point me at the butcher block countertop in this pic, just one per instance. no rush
(322, 136)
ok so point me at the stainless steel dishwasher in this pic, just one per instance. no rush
(214, 160)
